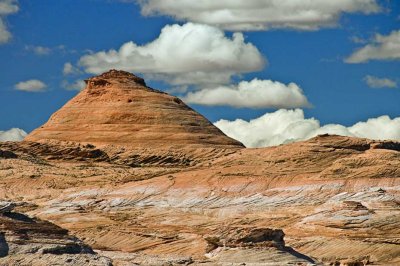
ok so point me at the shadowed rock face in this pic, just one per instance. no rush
(118, 108)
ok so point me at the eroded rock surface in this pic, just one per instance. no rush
(140, 196)
(118, 108)
(335, 198)
(30, 241)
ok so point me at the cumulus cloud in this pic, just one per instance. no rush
(253, 94)
(381, 48)
(14, 134)
(182, 55)
(375, 82)
(259, 14)
(285, 126)
(32, 85)
(7, 7)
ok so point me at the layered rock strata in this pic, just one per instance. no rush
(29, 241)
(118, 108)
(336, 199)
(188, 194)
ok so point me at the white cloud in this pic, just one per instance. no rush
(39, 50)
(5, 35)
(381, 48)
(7, 7)
(253, 94)
(43, 50)
(182, 55)
(14, 134)
(284, 126)
(375, 82)
(77, 85)
(260, 14)
(70, 69)
(359, 40)
(32, 85)
(177, 90)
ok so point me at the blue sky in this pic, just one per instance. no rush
(47, 34)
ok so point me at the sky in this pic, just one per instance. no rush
(266, 72)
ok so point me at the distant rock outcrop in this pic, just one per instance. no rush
(118, 108)
(30, 241)
(246, 237)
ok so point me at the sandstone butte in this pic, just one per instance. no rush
(118, 108)
(127, 175)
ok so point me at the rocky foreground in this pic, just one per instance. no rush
(31, 241)
(199, 199)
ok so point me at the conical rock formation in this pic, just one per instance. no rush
(118, 108)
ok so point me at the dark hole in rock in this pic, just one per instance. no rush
(177, 100)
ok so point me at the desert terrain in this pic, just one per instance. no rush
(124, 174)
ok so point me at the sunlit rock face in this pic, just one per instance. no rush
(153, 199)
(118, 108)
